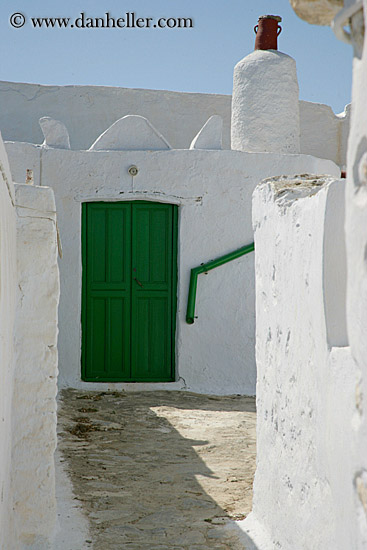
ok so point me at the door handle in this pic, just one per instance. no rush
(137, 280)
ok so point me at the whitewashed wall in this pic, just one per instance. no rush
(303, 490)
(356, 223)
(35, 384)
(89, 110)
(323, 133)
(28, 363)
(311, 481)
(265, 104)
(8, 285)
(213, 190)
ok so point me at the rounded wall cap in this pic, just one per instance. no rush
(317, 12)
(264, 56)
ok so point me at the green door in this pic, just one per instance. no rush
(129, 291)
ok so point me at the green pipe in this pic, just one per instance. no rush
(190, 313)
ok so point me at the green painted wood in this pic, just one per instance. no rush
(106, 291)
(153, 235)
(129, 291)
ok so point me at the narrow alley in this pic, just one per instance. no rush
(159, 470)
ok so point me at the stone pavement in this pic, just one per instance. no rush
(159, 470)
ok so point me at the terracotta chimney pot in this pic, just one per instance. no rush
(267, 31)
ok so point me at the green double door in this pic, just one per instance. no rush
(129, 291)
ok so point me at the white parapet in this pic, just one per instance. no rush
(303, 489)
(35, 376)
(265, 105)
(28, 363)
(8, 282)
(88, 110)
(356, 240)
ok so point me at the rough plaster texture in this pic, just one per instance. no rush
(210, 136)
(8, 281)
(129, 133)
(28, 363)
(87, 111)
(305, 388)
(213, 190)
(35, 383)
(265, 105)
(356, 220)
(317, 12)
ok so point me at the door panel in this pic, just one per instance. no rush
(129, 291)
(106, 291)
(151, 322)
(151, 341)
(97, 340)
(108, 340)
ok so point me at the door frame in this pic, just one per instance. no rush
(84, 291)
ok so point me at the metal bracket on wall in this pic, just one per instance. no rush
(190, 312)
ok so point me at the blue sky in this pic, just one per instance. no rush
(192, 60)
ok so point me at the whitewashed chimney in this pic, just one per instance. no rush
(265, 102)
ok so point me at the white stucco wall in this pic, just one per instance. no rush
(265, 104)
(303, 491)
(87, 111)
(8, 285)
(323, 133)
(213, 190)
(356, 220)
(35, 375)
(28, 363)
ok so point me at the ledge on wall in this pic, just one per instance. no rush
(131, 133)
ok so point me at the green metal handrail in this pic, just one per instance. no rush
(190, 312)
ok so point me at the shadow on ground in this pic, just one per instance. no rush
(160, 470)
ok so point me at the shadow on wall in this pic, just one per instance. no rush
(335, 266)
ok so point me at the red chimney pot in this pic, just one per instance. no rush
(267, 31)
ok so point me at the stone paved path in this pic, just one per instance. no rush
(162, 470)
